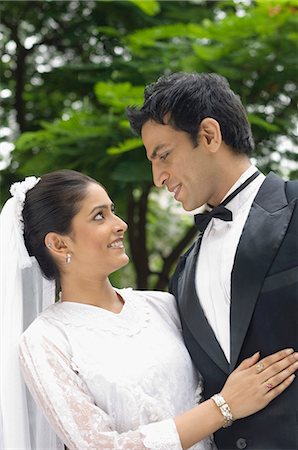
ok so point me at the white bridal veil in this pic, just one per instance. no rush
(24, 294)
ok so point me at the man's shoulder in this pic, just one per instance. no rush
(291, 187)
(275, 192)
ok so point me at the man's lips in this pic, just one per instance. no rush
(175, 190)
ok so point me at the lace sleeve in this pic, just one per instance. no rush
(68, 404)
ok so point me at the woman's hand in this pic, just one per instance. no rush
(247, 390)
(256, 383)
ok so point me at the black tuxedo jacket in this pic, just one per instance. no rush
(264, 315)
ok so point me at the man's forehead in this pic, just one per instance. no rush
(154, 136)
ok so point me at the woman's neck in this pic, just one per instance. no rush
(98, 293)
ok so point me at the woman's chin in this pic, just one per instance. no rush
(123, 263)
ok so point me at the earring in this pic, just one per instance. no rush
(49, 245)
(68, 258)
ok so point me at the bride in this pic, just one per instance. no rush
(107, 366)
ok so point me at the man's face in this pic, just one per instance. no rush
(185, 170)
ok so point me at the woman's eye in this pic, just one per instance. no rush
(99, 216)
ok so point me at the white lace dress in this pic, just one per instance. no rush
(109, 381)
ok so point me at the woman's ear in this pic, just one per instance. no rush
(56, 244)
(210, 134)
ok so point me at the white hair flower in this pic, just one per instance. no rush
(18, 191)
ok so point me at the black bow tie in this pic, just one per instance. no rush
(220, 212)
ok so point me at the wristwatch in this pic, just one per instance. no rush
(224, 409)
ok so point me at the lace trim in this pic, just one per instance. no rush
(129, 322)
(199, 397)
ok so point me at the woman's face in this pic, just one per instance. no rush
(96, 241)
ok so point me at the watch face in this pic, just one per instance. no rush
(224, 409)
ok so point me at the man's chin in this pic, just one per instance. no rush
(186, 208)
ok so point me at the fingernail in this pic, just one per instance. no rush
(289, 351)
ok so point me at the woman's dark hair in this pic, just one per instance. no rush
(183, 100)
(50, 207)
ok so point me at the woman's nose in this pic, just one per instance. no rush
(121, 225)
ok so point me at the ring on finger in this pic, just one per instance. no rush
(259, 367)
(269, 386)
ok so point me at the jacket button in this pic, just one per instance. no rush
(241, 443)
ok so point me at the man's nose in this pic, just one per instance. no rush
(159, 176)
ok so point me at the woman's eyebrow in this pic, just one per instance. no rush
(111, 206)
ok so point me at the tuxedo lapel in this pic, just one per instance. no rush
(193, 315)
(262, 235)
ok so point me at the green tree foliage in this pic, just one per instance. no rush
(74, 66)
(255, 47)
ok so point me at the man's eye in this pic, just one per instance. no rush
(164, 156)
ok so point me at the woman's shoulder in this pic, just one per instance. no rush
(164, 299)
(160, 296)
(44, 328)
(163, 303)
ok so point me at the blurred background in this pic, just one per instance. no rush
(70, 68)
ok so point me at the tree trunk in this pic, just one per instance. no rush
(20, 73)
(137, 212)
(172, 258)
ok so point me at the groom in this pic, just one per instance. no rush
(237, 286)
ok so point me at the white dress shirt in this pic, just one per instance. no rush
(216, 259)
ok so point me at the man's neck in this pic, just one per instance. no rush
(230, 167)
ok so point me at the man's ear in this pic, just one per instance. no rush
(56, 244)
(209, 134)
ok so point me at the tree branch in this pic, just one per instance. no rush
(171, 259)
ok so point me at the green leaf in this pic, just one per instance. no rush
(210, 53)
(149, 7)
(32, 139)
(150, 36)
(126, 146)
(255, 119)
(119, 95)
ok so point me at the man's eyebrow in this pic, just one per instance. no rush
(102, 207)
